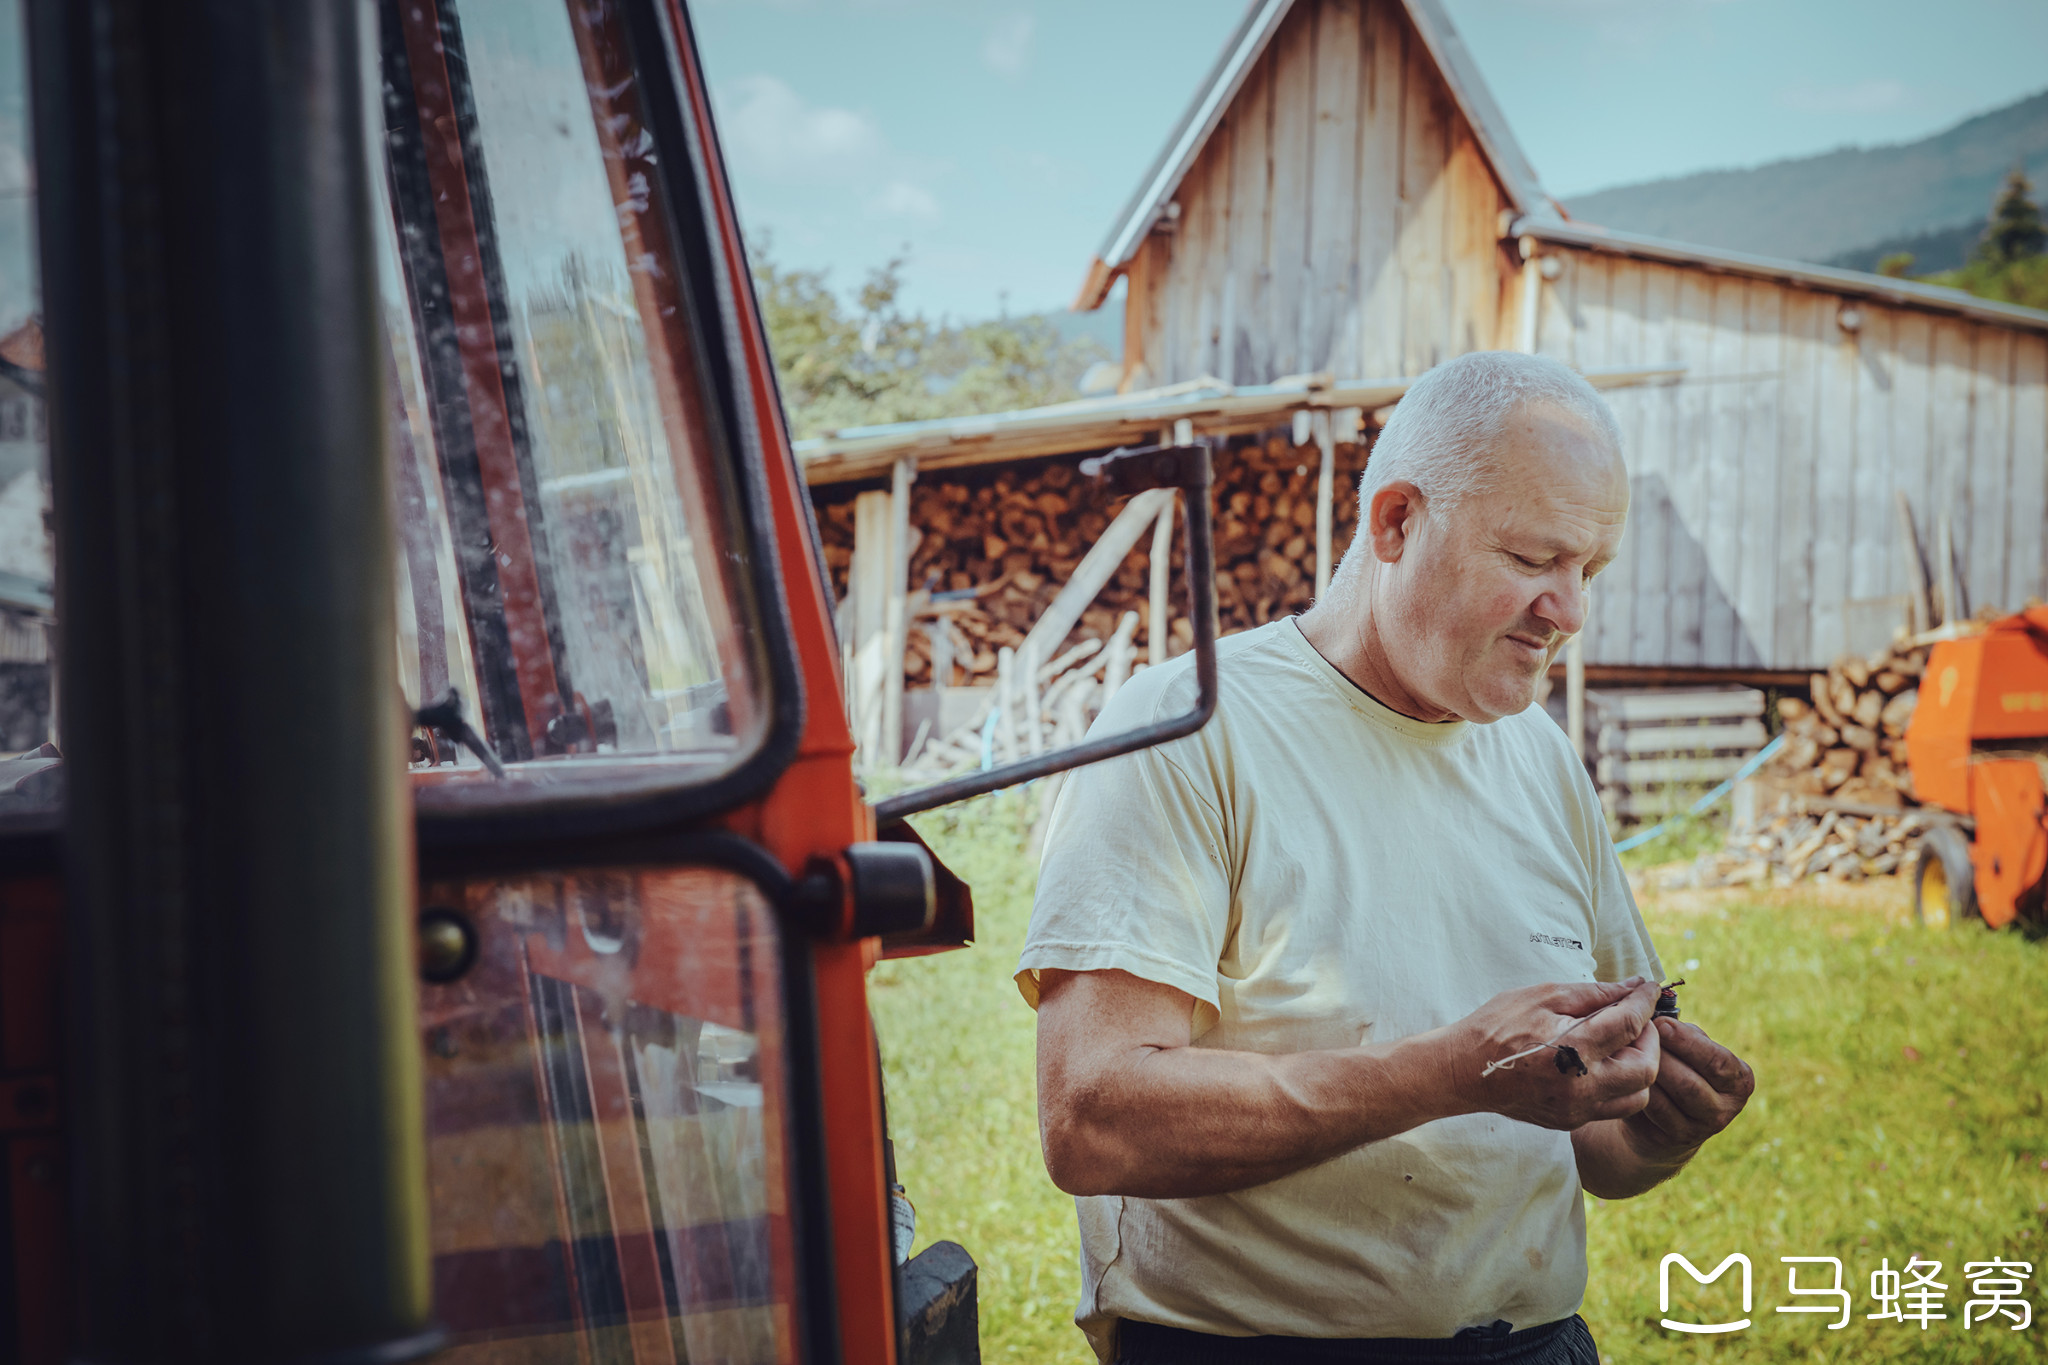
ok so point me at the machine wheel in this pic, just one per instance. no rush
(1944, 883)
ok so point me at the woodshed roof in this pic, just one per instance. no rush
(1214, 407)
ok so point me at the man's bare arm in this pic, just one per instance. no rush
(1128, 1106)
(1701, 1087)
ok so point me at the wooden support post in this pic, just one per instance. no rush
(1922, 615)
(1532, 297)
(1006, 698)
(897, 618)
(1326, 495)
(1157, 615)
(1137, 307)
(942, 657)
(1951, 608)
(1575, 687)
(1026, 677)
(872, 556)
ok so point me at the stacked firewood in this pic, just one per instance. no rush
(1850, 742)
(1794, 844)
(992, 547)
(1023, 716)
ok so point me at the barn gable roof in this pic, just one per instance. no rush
(1536, 213)
(1261, 21)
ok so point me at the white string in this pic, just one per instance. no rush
(1508, 1063)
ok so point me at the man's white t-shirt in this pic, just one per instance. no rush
(1319, 871)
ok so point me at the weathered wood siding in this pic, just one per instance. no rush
(1764, 531)
(1341, 218)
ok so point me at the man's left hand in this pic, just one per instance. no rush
(1701, 1087)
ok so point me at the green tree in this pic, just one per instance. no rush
(874, 362)
(2008, 265)
(2014, 232)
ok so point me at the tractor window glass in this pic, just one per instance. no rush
(29, 776)
(569, 563)
(608, 1133)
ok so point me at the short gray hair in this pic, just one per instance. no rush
(1438, 435)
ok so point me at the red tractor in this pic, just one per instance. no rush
(442, 921)
(1978, 745)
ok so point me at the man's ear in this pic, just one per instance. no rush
(1391, 517)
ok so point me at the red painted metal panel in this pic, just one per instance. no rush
(2010, 848)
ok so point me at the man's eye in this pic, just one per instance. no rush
(1528, 563)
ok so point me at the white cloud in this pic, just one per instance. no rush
(1875, 96)
(902, 199)
(1007, 49)
(773, 136)
(773, 132)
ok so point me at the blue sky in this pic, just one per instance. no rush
(996, 139)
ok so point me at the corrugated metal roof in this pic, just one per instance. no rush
(1882, 288)
(1227, 77)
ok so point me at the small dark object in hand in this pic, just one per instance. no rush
(1667, 1000)
(1569, 1062)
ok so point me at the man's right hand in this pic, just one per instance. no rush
(1607, 1023)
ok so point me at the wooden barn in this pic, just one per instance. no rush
(1818, 457)
(1343, 197)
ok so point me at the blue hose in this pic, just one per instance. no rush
(1763, 756)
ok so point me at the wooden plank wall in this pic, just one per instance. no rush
(1764, 530)
(1341, 218)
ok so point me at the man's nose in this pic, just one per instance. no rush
(1564, 605)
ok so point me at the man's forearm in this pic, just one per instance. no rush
(1188, 1121)
(1616, 1161)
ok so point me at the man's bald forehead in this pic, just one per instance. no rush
(1538, 432)
(1450, 432)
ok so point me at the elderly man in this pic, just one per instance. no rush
(1281, 966)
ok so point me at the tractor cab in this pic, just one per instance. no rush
(437, 904)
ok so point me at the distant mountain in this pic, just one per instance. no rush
(1104, 326)
(1942, 249)
(1825, 208)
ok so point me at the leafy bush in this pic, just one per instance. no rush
(873, 362)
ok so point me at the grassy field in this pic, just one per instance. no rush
(1899, 1112)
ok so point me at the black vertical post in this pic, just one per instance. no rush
(247, 1160)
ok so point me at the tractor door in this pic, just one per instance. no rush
(497, 1002)
(624, 1091)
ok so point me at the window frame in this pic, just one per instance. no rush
(577, 804)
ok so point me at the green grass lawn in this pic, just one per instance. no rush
(1899, 1112)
